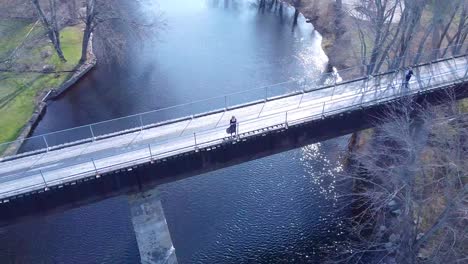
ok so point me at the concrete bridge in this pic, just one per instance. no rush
(93, 164)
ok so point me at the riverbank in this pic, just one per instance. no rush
(332, 23)
(34, 72)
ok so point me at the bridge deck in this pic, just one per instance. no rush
(60, 166)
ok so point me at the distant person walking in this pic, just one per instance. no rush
(232, 126)
(408, 76)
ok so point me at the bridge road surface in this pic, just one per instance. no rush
(57, 167)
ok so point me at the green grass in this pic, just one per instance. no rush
(12, 33)
(18, 91)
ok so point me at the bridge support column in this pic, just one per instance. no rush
(151, 230)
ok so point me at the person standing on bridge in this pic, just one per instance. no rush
(408, 76)
(232, 126)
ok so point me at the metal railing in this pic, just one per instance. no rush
(372, 91)
(388, 63)
(105, 129)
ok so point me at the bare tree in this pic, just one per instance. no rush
(410, 188)
(381, 16)
(452, 18)
(461, 32)
(109, 19)
(377, 30)
(392, 32)
(51, 25)
(90, 24)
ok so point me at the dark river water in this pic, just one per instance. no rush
(272, 210)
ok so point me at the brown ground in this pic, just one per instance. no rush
(333, 26)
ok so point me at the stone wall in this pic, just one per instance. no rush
(80, 72)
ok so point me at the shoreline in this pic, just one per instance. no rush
(323, 16)
(44, 97)
(82, 70)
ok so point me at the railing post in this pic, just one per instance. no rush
(95, 168)
(191, 110)
(323, 110)
(237, 130)
(466, 71)
(362, 98)
(43, 178)
(261, 110)
(455, 63)
(333, 91)
(151, 154)
(225, 103)
(195, 139)
(366, 83)
(286, 119)
(92, 132)
(141, 122)
(300, 101)
(430, 62)
(47, 145)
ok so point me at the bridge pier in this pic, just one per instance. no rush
(151, 230)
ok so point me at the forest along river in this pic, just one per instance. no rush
(269, 210)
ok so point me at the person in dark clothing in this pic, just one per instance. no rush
(408, 76)
(232, 125)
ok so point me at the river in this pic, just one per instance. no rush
(271, 210)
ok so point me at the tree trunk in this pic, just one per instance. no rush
(412, 17)
(438, 17)
(339, 4)
(376, 50)
(271, 4)
(296, 15)
(262, 4)
(383, 27)
(387, 49)
(447, 27)
(51, 26)
(84, 46)
(461, 27)
(89, 23)
(56, 31)
(422, 44)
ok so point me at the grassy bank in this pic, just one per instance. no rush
(19, 90)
